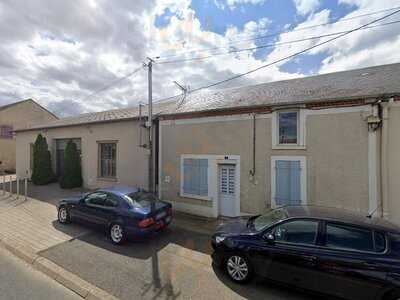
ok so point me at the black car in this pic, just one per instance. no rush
(325, 250)
(125, 212)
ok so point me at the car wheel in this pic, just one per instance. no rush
(393, 295)
(63, 215)
(117, 234)
(239, 268)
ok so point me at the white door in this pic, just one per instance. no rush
(227, 187)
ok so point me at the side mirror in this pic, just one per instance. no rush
(269, 237)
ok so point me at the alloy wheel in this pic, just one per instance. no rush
(116, 233)
(63, 215)
(237, 268)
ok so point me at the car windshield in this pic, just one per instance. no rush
(140, 199)
(264, 221)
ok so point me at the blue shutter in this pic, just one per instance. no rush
(288, 190)
(203, 177)
(188, 176)
(295, 176)
(282, 183)
(195, 176)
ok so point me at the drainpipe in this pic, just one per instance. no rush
(384, 158)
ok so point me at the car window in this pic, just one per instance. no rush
(96, 198)
(263, 221)
(348, 237)
(140, 199)
(395, 243)
(380, 241)
(297, 232)
(111, 201)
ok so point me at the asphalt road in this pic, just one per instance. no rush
(172, 265)
(19, 281)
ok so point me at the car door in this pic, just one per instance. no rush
(351, 262)
(90, 208)
(294, 253)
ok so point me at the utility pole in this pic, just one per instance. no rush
(150, 124)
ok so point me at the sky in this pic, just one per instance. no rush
(61, 53)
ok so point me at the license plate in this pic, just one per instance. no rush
(161, 215)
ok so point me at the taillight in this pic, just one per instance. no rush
(146, 222)
(169, 211)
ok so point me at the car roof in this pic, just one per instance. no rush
(120, 190)
(340, 215)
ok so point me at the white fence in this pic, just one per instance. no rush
(7, 182)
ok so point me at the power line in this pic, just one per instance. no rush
(276, 33)
(115, 82)
(272, 45)
(292, 55)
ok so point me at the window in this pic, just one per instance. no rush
(195, 177)
(96, 199)
(348, 237)
(108, 154)
(288, 127)
(395, 243)
(6, 132)
(288, 180)
(380, 241)
(111, 201)
(297, 232)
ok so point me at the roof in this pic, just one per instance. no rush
(340, 215)
(366, 83)
(4, 107)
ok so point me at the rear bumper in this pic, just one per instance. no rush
(136, 232)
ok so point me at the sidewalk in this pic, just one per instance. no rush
(28, 227)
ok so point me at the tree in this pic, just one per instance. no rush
(42, 172)
(72, 176)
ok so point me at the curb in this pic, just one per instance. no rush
(69, 280)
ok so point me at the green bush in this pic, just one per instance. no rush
(72, 176)
(42, 172)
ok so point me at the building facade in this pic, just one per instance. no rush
(328, 140)
(14, 116)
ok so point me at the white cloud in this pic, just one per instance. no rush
(232, 4)
(304, 7)
(60, 58)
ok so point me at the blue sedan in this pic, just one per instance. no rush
(123, 211)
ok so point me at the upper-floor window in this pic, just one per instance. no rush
(288, 127)
(6, 132)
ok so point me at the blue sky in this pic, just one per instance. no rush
(218, 17)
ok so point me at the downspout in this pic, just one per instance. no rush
(384, 158)
(253, 171)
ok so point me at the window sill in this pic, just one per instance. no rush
(207, 198)
(288, 147)
(111, 179)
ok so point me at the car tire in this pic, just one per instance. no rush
(393, 295)
(238, 268)
(63, 215)
(117, 234)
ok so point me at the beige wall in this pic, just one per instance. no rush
(132, 161)
(20, 115)
(336, 156)
(393, 171)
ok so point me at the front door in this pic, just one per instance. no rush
(61, 144)
(227, 190)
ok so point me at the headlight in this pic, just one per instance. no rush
(219, 239)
